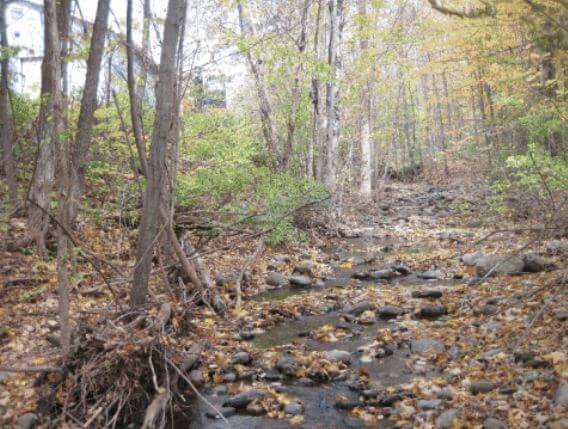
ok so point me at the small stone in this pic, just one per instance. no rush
(561, 396)
(430, 275)
(220, 390)
(401, 269)
(446, 394)
(432, 311)
(447, 418)
(303, 281)
(561, 316)
(272, 375)
(276, 280)
(482, 386)
(492, 326)
(493, 423)
(230, 377)
(196, 377)
(489, 310)
(427, 294)
(241, 400)
(471, 258)
(358, 308)
(287, 365)
(246, 335)
(367, 318)
(293, 408)
(338, 282)
(535, 263)
(426, 345)
(305, 268)
(305, 381)
(338, 356)
(241, 358)
(384, 274)
(225, 412)
(319, 285)
(27, 421)
(428, 404)
(389, 312)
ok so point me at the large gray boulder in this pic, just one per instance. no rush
(499, 264)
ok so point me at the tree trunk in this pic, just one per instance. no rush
(157, 176)
(88, 103)
(316, 99)
(134, 97)
(297, 87)
(442, 130)
(7, 123)
(332, 101)
(257, 70)
(366, 150)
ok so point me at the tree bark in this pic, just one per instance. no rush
(88, 103)
(258, 72)
(7, 123)
(332, 100)
(365, 132)
(316, 99)
(132, 92)
(157, 175)
(442, 130)
(297, 87)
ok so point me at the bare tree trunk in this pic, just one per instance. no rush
(134, 97)
(483, 114)
(157, 175)
(88, 103)
(366, 151)
(441, 124)
(429, 116)
(316, 99)
(257, 70)
(449, 110)
(143, 79)
(7, 123)
(63, 21)
(297, 88)
(332, 101)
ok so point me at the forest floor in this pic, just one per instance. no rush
(390, 325)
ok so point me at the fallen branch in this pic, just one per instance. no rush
(31, 369)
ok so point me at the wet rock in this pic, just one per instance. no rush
(346, 326)
(493, 423)
(27, 421)
(561, 316)
(561, 396)
(432, 311)
(481, 386)
(529, 358)
(272, 375)
(302, 281)
(362, 275)
(338, 356)
(348, 405)
(225, 412)
(430, 275)
(241, 400)
(306, 268)
(387, 274)
(389, 312)
(390, 400)
(471, 258)
(305, 381)
(255, 409)
(507, 390)
(357, 309)
(426, 345)
(319, 285)
(446, 394)
(401, 269)
(246, 335)
(370, 393)
(536, 264)
(353, 422)
(287, 365)
(241, 358)
(428, 404)
(447, 418)
(293, 408)
(558, 424)
(276, 280)
(499, 264)
(427, 293)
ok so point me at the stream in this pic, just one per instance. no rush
(319, 400)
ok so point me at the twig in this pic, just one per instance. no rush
(31, 369)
